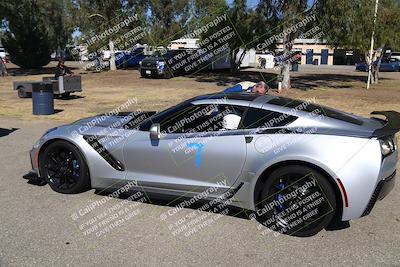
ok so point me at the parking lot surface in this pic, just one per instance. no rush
(38, 227)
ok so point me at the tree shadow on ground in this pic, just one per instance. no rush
(226, 78)
(299, 81)
(335, 81)
(176, 202)
(218, 207)
(70, 97)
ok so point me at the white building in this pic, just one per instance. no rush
(184, 44)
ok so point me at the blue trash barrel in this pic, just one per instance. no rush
(42, 99)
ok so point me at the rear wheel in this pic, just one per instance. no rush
(295, 200)
(65, 95)
(168, 74)
(64, 168)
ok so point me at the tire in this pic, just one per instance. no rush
(304, 211)
(168, 75)
(65, 95)
(64, 168)
(22, 93)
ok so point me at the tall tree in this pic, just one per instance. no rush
(286, 18)
(242, 19)
(31, 32)
(101, 20)
(349, 24)
(238, 19)
(167, 20)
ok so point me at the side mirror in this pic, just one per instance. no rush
(155, 133)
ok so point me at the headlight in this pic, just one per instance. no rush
(388, 146)
(140, 63)
(160, 64)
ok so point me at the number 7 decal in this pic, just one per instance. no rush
(198, 153)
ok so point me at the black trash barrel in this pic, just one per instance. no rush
(42, 99)
(295, 66)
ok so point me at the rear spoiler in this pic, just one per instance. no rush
(391, 124)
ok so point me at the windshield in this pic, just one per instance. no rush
(158, 117)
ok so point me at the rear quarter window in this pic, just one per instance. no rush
(309, 107)
(261, 118)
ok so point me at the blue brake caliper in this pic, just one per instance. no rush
(279, 196)
(75, 168)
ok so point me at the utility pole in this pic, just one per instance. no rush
(372, 46)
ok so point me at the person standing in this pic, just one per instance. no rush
(3, 68)
(62, 70)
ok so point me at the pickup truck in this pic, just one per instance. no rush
(168, 64)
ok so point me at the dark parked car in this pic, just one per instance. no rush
(129, 59)
(387, 64)
(155, 66)
(171, 63)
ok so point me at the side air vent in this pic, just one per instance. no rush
(93, 141)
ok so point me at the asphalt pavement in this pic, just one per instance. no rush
(39, 227)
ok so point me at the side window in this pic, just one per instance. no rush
(203, 118)
(261, 118)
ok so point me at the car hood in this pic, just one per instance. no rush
(116, 120)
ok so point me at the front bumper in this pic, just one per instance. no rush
(34, 156)
(381, 191)
(150, 72)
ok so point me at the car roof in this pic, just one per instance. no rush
(281, 104)
(250, 97)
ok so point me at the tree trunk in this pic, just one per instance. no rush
(285, 69)
(376, 74)
(285, 73)
(369, 60)
(112, 56)
(235, 67)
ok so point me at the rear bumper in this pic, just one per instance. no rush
(382, 189)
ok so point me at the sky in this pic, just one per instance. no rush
(250, 3)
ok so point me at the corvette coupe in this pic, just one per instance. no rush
(295, 165)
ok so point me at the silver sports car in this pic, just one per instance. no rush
(294, 166)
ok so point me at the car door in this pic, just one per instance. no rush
(263, 129)
(187, 160)
(385, 66)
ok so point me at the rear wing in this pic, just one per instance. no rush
(391, 124)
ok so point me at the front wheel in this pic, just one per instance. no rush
(64, 168)
(295, 200)
(65, 95)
